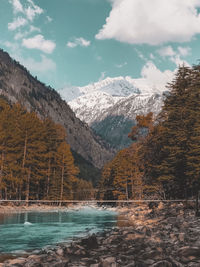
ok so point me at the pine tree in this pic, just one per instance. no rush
(174, 141)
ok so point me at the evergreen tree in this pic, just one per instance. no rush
(174, 141)
(35, 160)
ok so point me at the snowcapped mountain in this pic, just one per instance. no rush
(118, 86)
(116, 122)
(90, 105)
(110, 106)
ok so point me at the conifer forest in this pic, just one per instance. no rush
(36, 161)
(164, 160)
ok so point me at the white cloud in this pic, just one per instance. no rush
(153, 79)
(166, 51)
(152, 22)
(19, 35)
(121, 65)
(175, 55)
(49, 19)
(34, 29)
(79, 42)
(17, 23)
(184, 51)
(140, 55)
(38, 42)
(12, 46)
(32, 10)
(178, 61)
(71, 44)
(17, 6)
(44, 66)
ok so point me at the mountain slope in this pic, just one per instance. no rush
(115, 124)
(111, 106)
(18, 85)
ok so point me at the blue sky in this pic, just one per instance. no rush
(77, 42)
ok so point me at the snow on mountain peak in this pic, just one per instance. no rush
(116, 87)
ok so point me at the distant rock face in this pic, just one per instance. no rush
(111, 106)
(18, 85)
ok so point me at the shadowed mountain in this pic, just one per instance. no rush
(18, 85)
(115, 130)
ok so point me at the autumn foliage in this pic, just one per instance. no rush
(35, 160)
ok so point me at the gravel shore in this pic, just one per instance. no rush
(165, 235)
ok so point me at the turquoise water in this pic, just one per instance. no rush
(32, 230)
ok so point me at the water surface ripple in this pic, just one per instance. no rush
(31, 230)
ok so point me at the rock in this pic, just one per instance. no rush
(60, 264)
(90, 242)
(181, 237)
(149, 262)
(130, 264)
(60, 252)
(175, 263)
(20, 262)
(34, 264)
(160, 206)
(193, 264)
(108, 262)
(189, 251)
(94, 265)
(163, 263)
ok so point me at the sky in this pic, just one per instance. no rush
(77, 42)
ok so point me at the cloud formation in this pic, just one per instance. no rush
(184, 51)
(152, 77)
(19, 35)
(78, 42)
(175, 55)
(44, 66)
(30, 11)
(166, 51)
(17, 23)
(152, 22)
(17, 6)
(38, 42)
(121, 65)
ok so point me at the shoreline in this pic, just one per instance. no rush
(6, 209)
(163, 235)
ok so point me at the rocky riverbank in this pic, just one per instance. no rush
(167, 235)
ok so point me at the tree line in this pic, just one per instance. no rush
(35, 160)
(164, 159)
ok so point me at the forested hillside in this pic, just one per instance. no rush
(18, 85)
(35, 160)
(164, 159)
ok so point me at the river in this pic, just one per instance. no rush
(22, 232)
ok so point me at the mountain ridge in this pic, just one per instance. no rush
(18, 85)
(111, 106)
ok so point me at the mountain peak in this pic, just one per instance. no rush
(118, 86)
